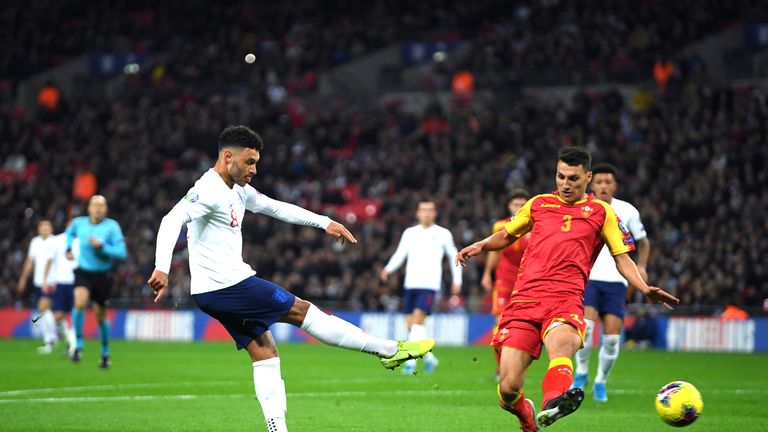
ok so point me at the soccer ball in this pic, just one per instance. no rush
(679, 403)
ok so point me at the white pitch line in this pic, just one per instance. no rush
(239, 396)
(127, 386)
(115, 387)
(384, 393)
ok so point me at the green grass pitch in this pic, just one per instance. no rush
(209, 387)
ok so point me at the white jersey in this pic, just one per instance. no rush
(63, 270)
(40, 251)
(604, 269)
(424, 249)
(214, 214)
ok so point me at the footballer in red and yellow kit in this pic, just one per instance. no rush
(565, 240)
(507, 269)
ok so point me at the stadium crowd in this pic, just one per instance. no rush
(571, 41)
(693, 162)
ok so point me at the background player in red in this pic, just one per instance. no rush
(504, 264)
(568, 228)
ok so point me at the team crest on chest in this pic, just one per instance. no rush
(586, 211)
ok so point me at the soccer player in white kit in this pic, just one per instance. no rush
(62, 272)
(423, 248)
(607, 289)
(41, 250)
(225, 287)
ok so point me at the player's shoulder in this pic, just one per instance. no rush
(443, 230)
(600, 204)
(112, 223)
(624, 207)
(208, 188)
(544, 201)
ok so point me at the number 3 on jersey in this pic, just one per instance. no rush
(566, 226)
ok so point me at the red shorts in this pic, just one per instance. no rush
(524, 324)
(501, 292)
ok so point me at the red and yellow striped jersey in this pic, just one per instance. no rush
(565, 242)
(509, 258)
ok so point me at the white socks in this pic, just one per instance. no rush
(609, 351)
(335, 331)
(47, 324)
(582, 355)
(270, 391)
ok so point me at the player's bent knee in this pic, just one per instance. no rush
(509, 389)
(262, 349)
(298, 312)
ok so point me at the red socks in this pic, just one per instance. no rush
(558, 379)
(518, 406)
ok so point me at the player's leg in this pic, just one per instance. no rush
(612, 311)
(409, 308)
(100, 290)
(335, 331)
(47, 324)
(62, 302)
(561, 340)
(425, 300)
(268, 381)
(591, 303)
(499, 299)
(100, 312)
(609, 352)
(81, 296)
(512, 368)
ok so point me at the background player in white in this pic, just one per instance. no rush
(41, 250)
(423, 246)
(225, 287)
(607, 289)
(62, 273)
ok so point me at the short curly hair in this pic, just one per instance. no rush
(240, 137)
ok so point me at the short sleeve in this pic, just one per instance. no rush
(33, 248)
(198, 202)
(522, 222)
(498, 226)
(615, 233)
(635, 225)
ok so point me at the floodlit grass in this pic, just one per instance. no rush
(209, 387)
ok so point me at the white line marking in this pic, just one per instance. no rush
(384, 393)
(115, 387)
(178, 384)
(239, 396)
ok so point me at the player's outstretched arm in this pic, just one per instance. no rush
(341, 233)
(167, 235)
(496, 241)
(628, 269)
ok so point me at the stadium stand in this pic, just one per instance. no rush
(693, 160)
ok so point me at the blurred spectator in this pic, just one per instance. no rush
(642, 331)
(662, 72)
(733, 311)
